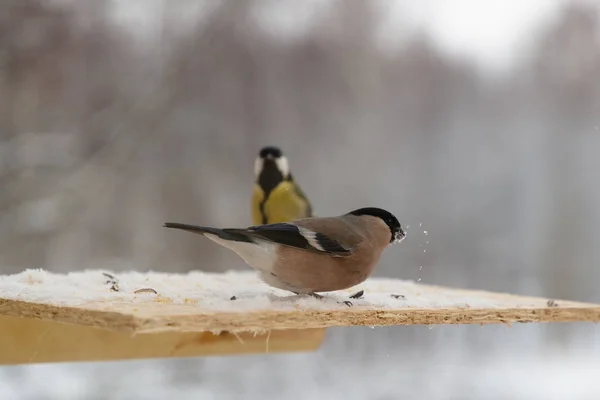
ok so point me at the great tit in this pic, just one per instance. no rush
(276, 196)
(312, 254)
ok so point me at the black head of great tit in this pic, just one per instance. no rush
(312, 254)
(276, 196)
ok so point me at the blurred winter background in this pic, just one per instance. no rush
(476, 121)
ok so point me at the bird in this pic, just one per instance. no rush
(310, 255)
(276, 196)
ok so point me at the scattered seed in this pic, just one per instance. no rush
(233, 298)
(113, 281)
(398, 296)
(358, 294)
(145, 290)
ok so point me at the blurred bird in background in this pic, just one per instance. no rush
(276, 197)
(312, 254)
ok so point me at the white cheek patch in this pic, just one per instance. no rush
(258, 166)
(283, 165)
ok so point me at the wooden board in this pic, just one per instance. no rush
(148, 317)
(125, 326)
(28, 340)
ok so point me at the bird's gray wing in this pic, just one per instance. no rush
(299, 237)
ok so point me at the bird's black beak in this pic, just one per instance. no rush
(399, 236)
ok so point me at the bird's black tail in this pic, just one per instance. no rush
(236, 235)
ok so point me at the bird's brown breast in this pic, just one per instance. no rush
(306, 272)
(311, 272)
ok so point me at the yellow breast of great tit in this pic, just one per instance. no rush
(286, 202)
(276, 196)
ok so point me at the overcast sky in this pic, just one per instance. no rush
(493, 33)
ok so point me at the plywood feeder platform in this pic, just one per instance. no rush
(98, 315)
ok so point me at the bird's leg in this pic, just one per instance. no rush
(318, 296)
(315, 295)
(312, 294)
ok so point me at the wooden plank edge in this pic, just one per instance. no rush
(297, 319)
(97, 318)
(258, 321)
(28, 340)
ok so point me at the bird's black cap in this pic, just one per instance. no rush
(272, 151)
(390, 220)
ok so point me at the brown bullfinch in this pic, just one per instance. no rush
(311, 255)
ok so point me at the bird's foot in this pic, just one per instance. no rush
(315, 295)
(320, 297)
(358, 294)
